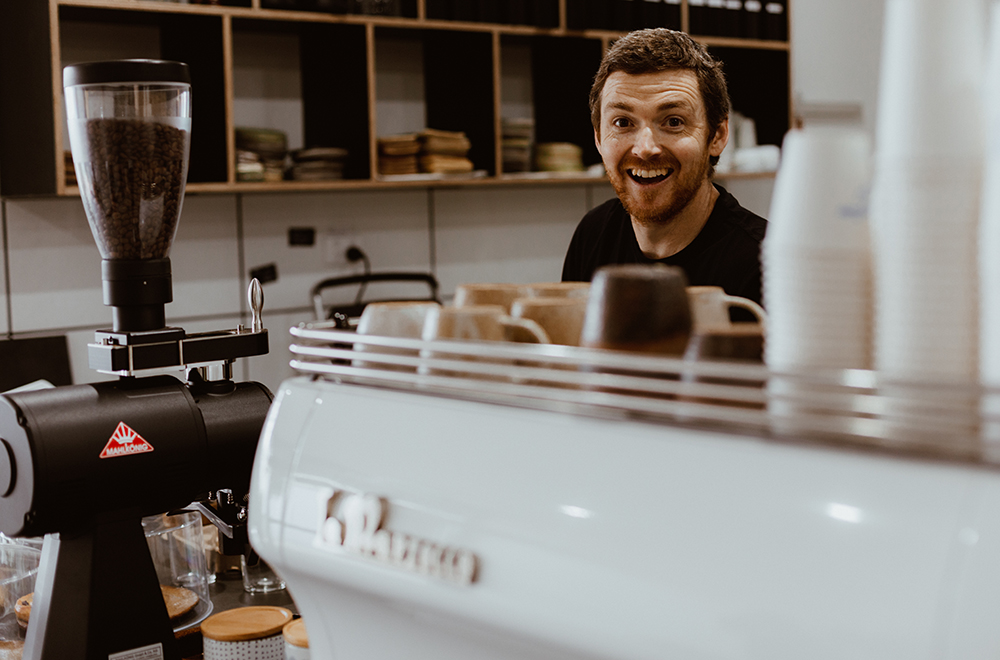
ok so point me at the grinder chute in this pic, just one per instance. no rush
(84, 463)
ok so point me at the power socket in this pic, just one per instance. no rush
(335, 247)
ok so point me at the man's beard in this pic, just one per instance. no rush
(685, 189)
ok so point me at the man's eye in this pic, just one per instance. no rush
(620, 122)
(675, 122)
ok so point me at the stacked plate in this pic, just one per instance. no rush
(558, 157)
(518, 137)
(318, 164)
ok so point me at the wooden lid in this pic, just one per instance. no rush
(245, 623)
(295, 633)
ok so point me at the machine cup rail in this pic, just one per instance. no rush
(855, 408)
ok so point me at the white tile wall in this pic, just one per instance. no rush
(55, 268)
(390, 226)
(505, 235)
(204, 261)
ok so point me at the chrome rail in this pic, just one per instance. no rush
(959, 421)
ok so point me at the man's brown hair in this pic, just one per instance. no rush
(660, 49)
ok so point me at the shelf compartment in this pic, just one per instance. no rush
(623, 15)
(308, 80)
(562, 70)
(454, 86)
(537, 13)
(393, 8)
(548, 79)
(759, 88)
(190, 38)
(28, 151)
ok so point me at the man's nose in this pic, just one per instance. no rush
(646, 144)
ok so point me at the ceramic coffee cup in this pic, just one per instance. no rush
(476, 323)
(559, 289)
(561, 318)
(742, 341)
(489, 293)
(638, 308)
(710, 307)
(480, 323)
(392, 319)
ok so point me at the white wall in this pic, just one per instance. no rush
(836, 47)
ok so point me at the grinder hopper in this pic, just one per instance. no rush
(130, 132)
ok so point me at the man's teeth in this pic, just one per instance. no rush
(650, 174)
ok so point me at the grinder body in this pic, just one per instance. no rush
(88, 462)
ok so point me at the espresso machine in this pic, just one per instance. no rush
(83, 464)
(455, 499)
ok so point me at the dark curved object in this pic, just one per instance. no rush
(315, 293)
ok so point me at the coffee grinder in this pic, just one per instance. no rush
(83, 464)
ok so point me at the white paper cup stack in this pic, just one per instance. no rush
(925, 199)
(816, 261)
(989, 243)
(816, 255)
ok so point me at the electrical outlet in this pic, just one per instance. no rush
(335, 249)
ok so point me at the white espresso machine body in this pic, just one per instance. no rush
(415, 526)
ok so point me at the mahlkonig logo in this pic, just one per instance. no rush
(124, 441)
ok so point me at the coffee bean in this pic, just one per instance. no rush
(133, 186)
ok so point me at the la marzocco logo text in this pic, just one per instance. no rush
(359, 531)
(125, 442)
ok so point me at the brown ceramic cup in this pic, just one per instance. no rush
(710, 307)
(489, 293)
(561, 318)
(638, 308)
(391, 319)
(559, 289)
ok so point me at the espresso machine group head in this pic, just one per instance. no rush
(83, 464)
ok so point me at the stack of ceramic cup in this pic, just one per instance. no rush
(989, 242)
(925, 197)
(816, 255)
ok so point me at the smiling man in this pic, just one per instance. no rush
(660, 110)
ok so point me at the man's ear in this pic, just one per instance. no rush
(597, 141)
(720, 140)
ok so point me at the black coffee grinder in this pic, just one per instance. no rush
(84, 463)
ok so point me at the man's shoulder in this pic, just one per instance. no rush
(602, 237)
(729, 211)
(610, 213)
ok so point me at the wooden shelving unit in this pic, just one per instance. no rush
(462, 74)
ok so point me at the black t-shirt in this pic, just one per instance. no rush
(725, 253)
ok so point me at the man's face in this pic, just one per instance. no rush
(654, 141)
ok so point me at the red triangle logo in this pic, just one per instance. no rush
(124, 441)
